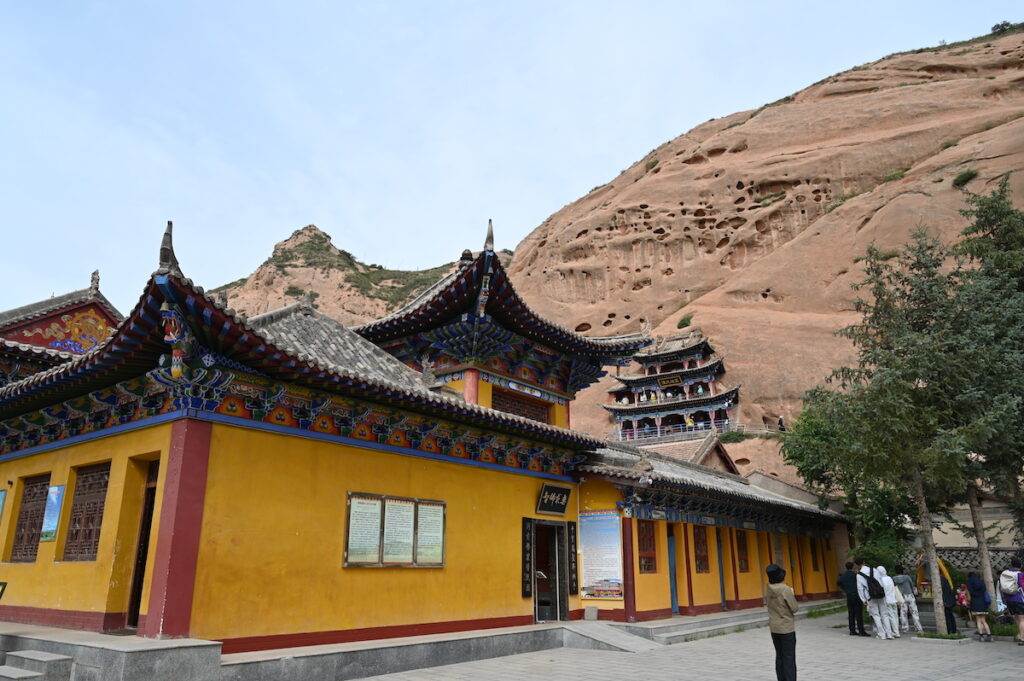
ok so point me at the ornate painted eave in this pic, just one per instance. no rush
(138, 343)
(654, 355)
(26, 313)
(34, 352)
(716, 368)
(673, 405)
(459, 294)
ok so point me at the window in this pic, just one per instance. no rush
(647, 547)
(700, 548)
(511, 403)
(742, 558)
(87, 512)
(814, 555)
(30, 519)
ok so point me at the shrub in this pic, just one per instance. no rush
(949, 143)
(733, 436)
(964, 176)
(650, 165)
(684, 321)
(294, 292)
(895, 175)
(947, 637)
(1002, 27)
(840, 201)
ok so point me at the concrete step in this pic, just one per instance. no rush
(9, 672)
(681, 625)
(608, 635)
(51, 666)
(711, 629)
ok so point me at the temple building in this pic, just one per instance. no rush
(675, 394)
(473, 331)
(196, 471)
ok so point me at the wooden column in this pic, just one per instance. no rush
(181, 519)
(471, 386)
(628, 580)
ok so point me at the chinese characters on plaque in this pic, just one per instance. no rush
(553, 499)
(385, 531)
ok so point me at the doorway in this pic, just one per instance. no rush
(550, 574)
(142, 550)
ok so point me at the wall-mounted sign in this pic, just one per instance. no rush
(601, 548)
(385, 531)
(51, 516)
(527, 565)
(573, 562)
(553, 499)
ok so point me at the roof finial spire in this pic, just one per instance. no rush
(168, 261)
(489, 243)
(94, 282)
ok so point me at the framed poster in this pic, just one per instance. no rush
(388, 531)
(399, 523)
(51, 516)
(430, 533)
(364, 522)
(601, 549)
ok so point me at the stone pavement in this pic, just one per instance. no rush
(823, 652)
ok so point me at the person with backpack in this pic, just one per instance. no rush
(854, 608)
(1011, 586)
(873, 595)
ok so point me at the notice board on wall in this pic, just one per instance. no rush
(389, 531)
(601, 554)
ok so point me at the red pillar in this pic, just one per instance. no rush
(180, 523)
(471, 382)
(628, 581)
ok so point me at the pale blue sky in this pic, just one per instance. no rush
(397, 127)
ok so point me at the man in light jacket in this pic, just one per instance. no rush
(782, 606)
(875, 605)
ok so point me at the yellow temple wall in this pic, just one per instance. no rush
(85, 587)
(274, 532)
(560, 415)
(751, 583)
(653, 591)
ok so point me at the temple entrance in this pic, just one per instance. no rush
(550, 573)
(142, 550)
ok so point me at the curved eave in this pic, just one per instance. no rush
(717, 367)
(137, 344)
(34, 352)
(650, 355)
(649, 407)
(504, 304)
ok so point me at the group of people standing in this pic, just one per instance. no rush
(892, 601)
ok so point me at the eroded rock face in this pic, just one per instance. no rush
(754, 223)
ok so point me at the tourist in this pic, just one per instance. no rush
(979, 602)
(908, 611)
(854, 607)
(1014, 600)
(876, 604)
(889, 613)
(782, 606)
(948, 603)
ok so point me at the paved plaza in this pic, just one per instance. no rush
(823, 652)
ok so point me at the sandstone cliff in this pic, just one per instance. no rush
(752, 224)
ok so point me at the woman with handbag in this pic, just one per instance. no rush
(980, 601)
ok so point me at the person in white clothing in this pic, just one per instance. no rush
(875, 605)
(908, 611)
(889, 614)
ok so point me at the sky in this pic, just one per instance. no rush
(397, 127)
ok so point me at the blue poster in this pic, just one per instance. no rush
(601, 546)
(54, 497)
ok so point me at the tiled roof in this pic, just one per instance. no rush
(715, 368)
(34, 351)
(24, 313)
(457, 292)
(300, 329)
(617, 460)
(681, 344)
(674, 403)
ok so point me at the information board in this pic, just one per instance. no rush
(387, 531)
(601, 554)
(429, 533)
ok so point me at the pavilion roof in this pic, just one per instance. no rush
(682, 345)
(674, 404)
(715, 368)
(482, 277)
(294, 344)
(20, 315)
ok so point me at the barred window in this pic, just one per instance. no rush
(30, 519)
(87, 512)
(742, 558)
(700, 549)
(511, 403)
(647, 547)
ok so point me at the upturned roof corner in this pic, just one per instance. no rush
(168, 261)
(489, 241)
